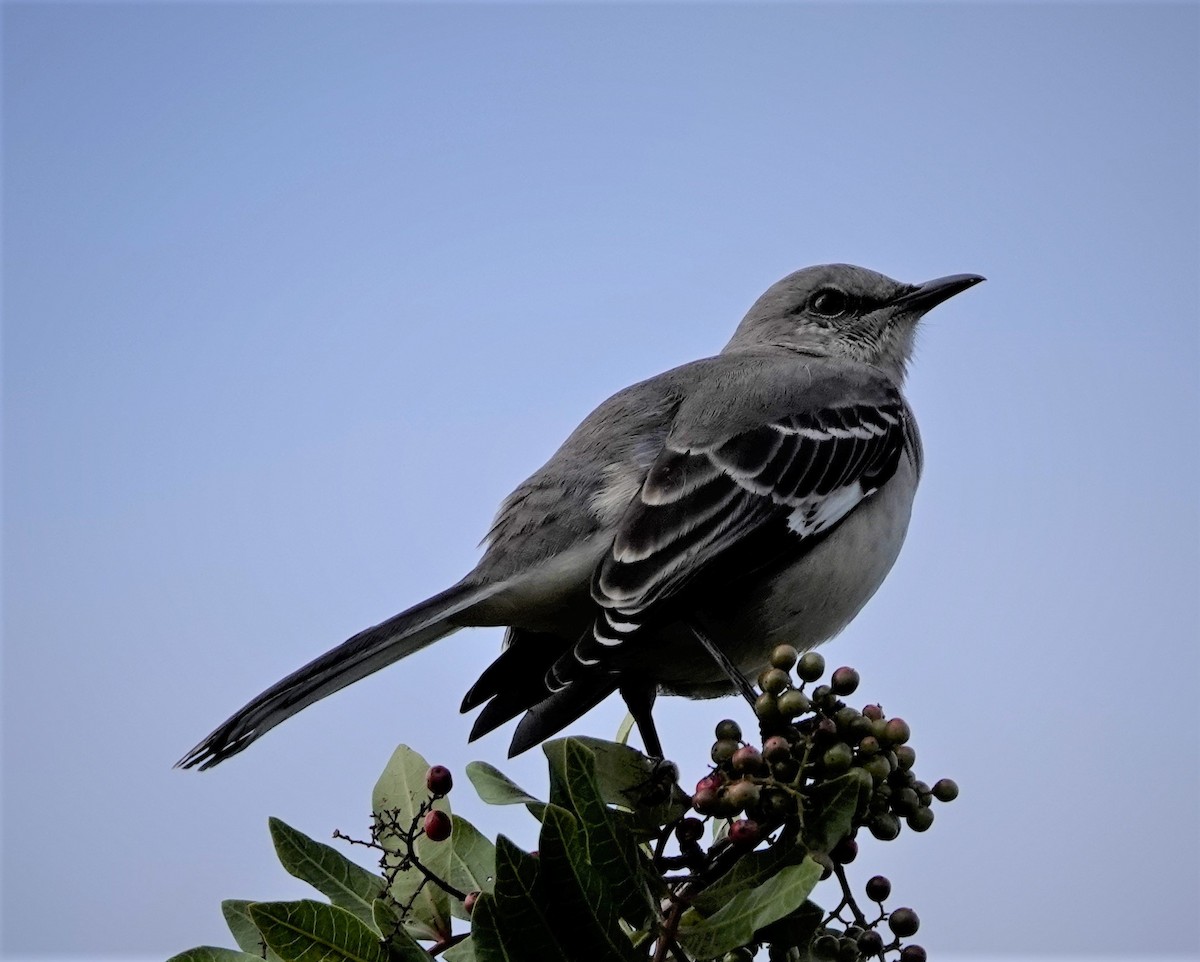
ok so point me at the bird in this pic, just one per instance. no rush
(688, 526)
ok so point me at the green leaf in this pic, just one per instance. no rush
(736, 922)
(496, 788)
(611, 846)
(748, 872)
(830, 811)
(401, 946)
(400, 796)
(584, 906)
(343, 882)
(472, 862)
(211, 953)
(642, 785)
(511, 925)
(464, 951)
(245, 932)
(310, 931)
(624, 729)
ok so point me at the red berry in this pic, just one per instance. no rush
(709, 783)
(744, 832)
(777, 748)
(844, 681)
(706, 801)
(469, 901)
(437, 826)
(439, 781)
(747, 759)
(896, 731)
(873, 712)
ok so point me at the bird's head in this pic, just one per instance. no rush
(840, 310)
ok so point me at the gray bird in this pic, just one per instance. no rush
(689, 525)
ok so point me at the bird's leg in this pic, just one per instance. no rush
(639, 699)
(740, 681)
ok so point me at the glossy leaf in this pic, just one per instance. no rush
(211, 953)
(583, 904)
(612, 848)
(748, 872)
(736, 922)
(472, 862)
(343, 882)
(511, 925)
(496, 788)
(396, 802)
(245, 932)
(310, 931)
(830, 811)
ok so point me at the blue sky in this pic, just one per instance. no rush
(294, 295)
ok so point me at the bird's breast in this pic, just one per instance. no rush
(804, 604)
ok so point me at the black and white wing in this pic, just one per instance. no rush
(761, 495)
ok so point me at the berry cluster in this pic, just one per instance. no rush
(810, 737)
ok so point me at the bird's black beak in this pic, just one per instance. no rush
(925, 297)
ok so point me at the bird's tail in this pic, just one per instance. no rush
(353, 659)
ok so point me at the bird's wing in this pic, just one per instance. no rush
(736, 502)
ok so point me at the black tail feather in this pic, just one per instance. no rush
(355, 658)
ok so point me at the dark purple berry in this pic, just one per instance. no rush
(439, 781)
(903, 923)
(879, 887)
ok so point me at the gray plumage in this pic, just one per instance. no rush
(691, 523)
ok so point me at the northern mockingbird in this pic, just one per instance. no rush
(689, 525)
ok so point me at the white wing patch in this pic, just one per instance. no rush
(814, 514)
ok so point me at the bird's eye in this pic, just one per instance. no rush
(829, 302)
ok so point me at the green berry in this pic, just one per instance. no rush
(766, 708)
(738, 955)
(906, 756)
(784, 657)
(825, 947)
(793, 702)
(810, 667)
(847, 950)
(870, 943)
(723, 750)
(884, 827)
(838, 758)
(945, 790)
(729, 730)
(921, 819)
(774, 680)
